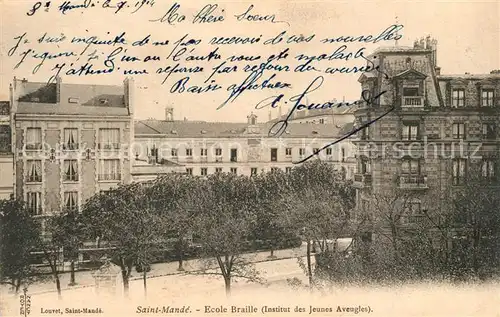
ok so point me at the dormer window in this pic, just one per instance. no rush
(411, 96)
(103, 101)
(487, 97)
(173, 132)
(458, 98)
(73, 100)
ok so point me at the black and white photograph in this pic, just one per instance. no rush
(238, 158)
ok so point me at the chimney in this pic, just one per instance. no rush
(129, 94)
(58, 89)
(169, 113)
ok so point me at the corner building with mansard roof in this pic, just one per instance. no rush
(439, 125)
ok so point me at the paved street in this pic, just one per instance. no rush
(85, 278)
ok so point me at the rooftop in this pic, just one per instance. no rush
(74, 99)
(201, 129)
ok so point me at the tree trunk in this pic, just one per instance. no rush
(272, 253)
(227, 282)
(125, 282)
(309, 268)
(144, 277)
(181, 261)
(72, 273)
(17, 286)
(58, 285)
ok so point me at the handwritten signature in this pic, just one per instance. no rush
(279, 127)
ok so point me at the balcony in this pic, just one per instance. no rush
(108, 146)
(412, 102)
(70, 146)
(218, 159)
(362, 180)
(413, 182)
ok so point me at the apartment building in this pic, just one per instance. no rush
(439, 125)
(70, 141)
(6, 156)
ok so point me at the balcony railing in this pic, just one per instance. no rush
(362, 180)
(34, 146)
(413, 101)
(109, 177)
(413, 181)
(109, 146)
(218, 159)
(71, 177)
(70, 146)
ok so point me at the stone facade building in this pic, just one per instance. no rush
(6, 156)
(439, 125)
(70, 141)
(202, 148)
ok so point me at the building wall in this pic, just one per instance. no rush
(251, 152)
(53, 156)
(384, 147)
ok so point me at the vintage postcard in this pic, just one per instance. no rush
(238, 158)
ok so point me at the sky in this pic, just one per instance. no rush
(467, 34)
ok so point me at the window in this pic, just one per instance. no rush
(459, 131)
(5, 139)
(329, 151)
(203, 152)
(288, 151)
(253, 121)
(34, 168)
(411, 131)
(364, 167)
(274, 154)
(218, 152)
(109, 139)
(410, 167)
(322, 121)
(234, 170)
(234, 155)
(458, 98)
(71, 170)
(302, 151)
(154, 154)
(343, 154)
(34, 203)
(70, 139)
(218, 169)
(204, 171)
(253, 171)
(33, 138)
(189, 171)
(288, 170)
(173, 152)
(189, 152)
(414, 211)
(109, 170)
(459, 171)
(410, 91)
(315, 150)
(73, 100)
(488, 168)
(487, 98)
(365, 132)
(71, 201)
(489, 131)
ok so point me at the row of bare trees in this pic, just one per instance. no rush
(224, 215)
